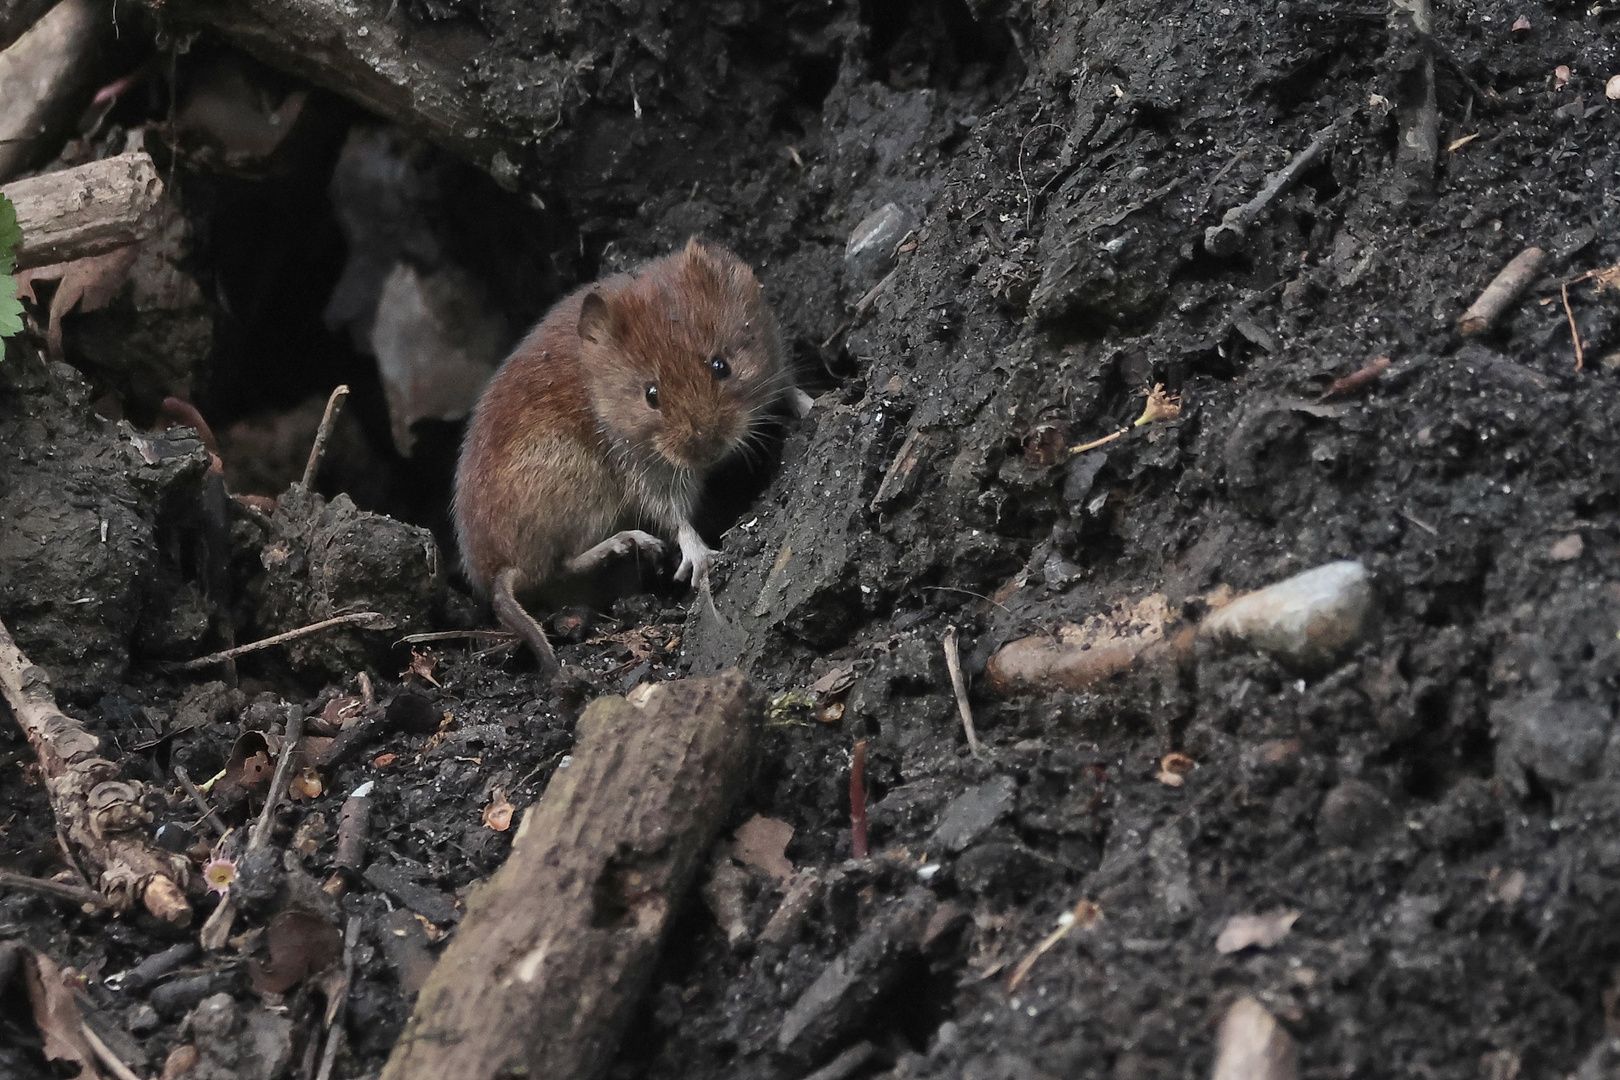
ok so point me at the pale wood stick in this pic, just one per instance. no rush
(100, 818)
(376, 618)
(84, 211)
(324, 433)
(1499, 295)
(953, 663)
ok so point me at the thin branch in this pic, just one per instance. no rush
(377, 618)
(953, 663)
(73, 894)
(324, 433)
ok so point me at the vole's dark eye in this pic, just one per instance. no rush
(718, 365)
(652, 397)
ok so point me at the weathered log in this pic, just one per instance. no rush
(426, 78)
(88, 210)
(43, 76)
(100, 816)
(557, 947)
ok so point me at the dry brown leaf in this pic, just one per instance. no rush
(89, 284)
(301, 943)
(498, 814)
(762, 842)
(836, 681)
(1261, 931)
(342, 711)
(56, 1015)
(422, 665)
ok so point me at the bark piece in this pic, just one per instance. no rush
(100, 816)
(43, 74)
(424, 76)
(88, 210)
(556, 948)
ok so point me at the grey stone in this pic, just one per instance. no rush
(1310, 620)
(870, 251)
(1353, 813)
(1560, 741)
(972, 812)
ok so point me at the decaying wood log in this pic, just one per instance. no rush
(43, 75)
(427, 80)
(100, 816)
(88, 210)
(558, 946)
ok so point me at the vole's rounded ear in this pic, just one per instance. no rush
(595, 319)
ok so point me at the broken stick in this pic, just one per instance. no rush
(556, 949)
(1499, 295)
(1226, 238)
(324, 433)
(101, 817)
(89, 210)
(953, 664)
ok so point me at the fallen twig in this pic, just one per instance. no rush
(1504, 288)
(218, 927)
(100, 818)
(1574, 331)
(279, 782)
(1356, 380)
(1086, 914)
(317, 451)
(114, 1063)
(953, 664)
(857, 802)
(1225, 239)
(210, 816)
(378, 620)
(56, 890)
(336, 1009)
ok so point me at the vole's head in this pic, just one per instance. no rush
(684, 358)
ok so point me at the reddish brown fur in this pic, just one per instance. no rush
(563, 450)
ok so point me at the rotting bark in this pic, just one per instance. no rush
(422, 77)
(557, 947)
(101, 817)
(42, 77)
(88, 210)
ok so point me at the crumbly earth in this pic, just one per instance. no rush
(1441, 807)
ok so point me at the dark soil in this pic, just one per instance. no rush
(1442, 807)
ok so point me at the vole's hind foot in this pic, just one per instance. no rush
(629, 542)
(516, 618)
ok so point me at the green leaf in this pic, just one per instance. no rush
(10, 236)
